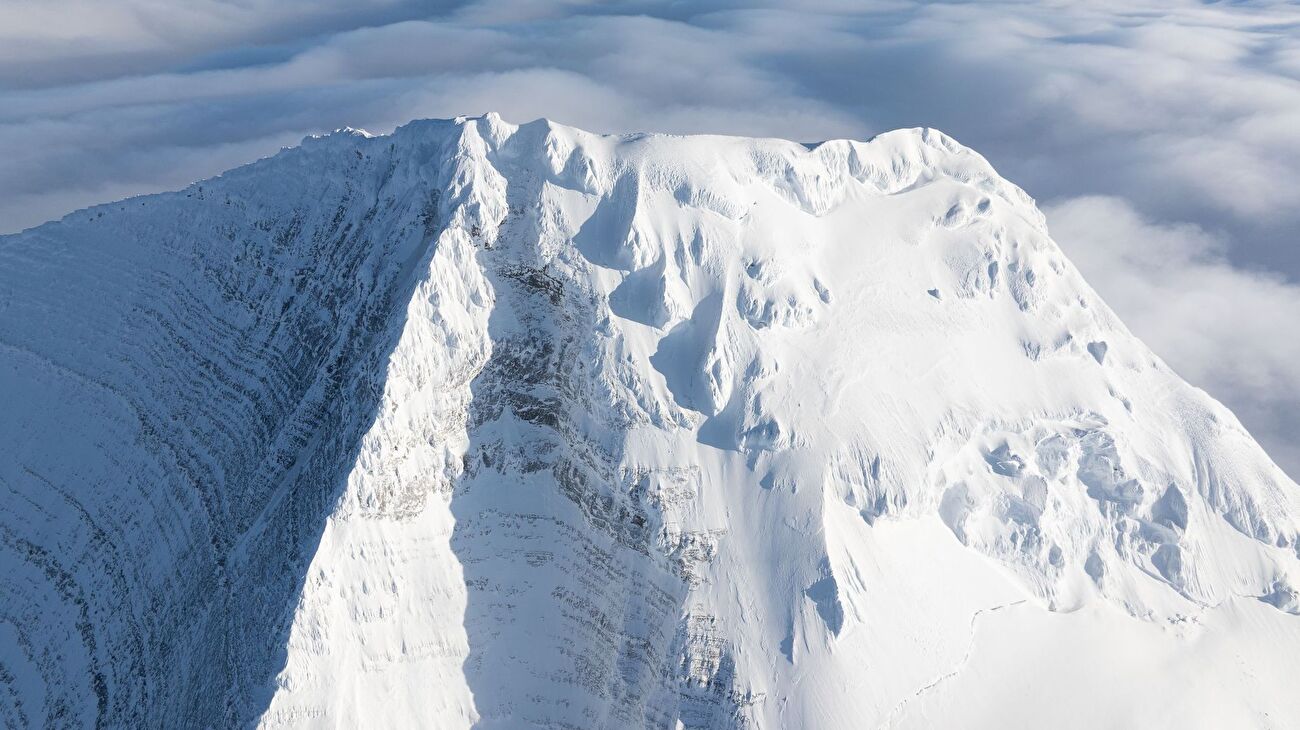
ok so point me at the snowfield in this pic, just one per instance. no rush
(505, 426)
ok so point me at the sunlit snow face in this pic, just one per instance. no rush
(1186, 115)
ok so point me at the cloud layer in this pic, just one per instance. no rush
(1183, 116)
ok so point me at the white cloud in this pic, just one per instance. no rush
(52, 41)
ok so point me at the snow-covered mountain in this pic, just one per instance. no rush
(521, 426)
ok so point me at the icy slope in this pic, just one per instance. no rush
(523, 426)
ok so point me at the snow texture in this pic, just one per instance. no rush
(510, 426)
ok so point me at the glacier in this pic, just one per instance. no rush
(490, 425)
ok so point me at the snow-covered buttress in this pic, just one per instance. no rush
(521, 426)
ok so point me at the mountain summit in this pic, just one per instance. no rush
(521, 426)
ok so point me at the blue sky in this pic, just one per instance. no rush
(1162, 139)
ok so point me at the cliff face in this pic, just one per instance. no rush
(515, 426)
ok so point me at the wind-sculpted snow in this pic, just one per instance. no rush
(478, 424)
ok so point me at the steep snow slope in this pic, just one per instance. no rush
(523, 426)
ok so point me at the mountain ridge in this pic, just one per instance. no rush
(489, 424)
